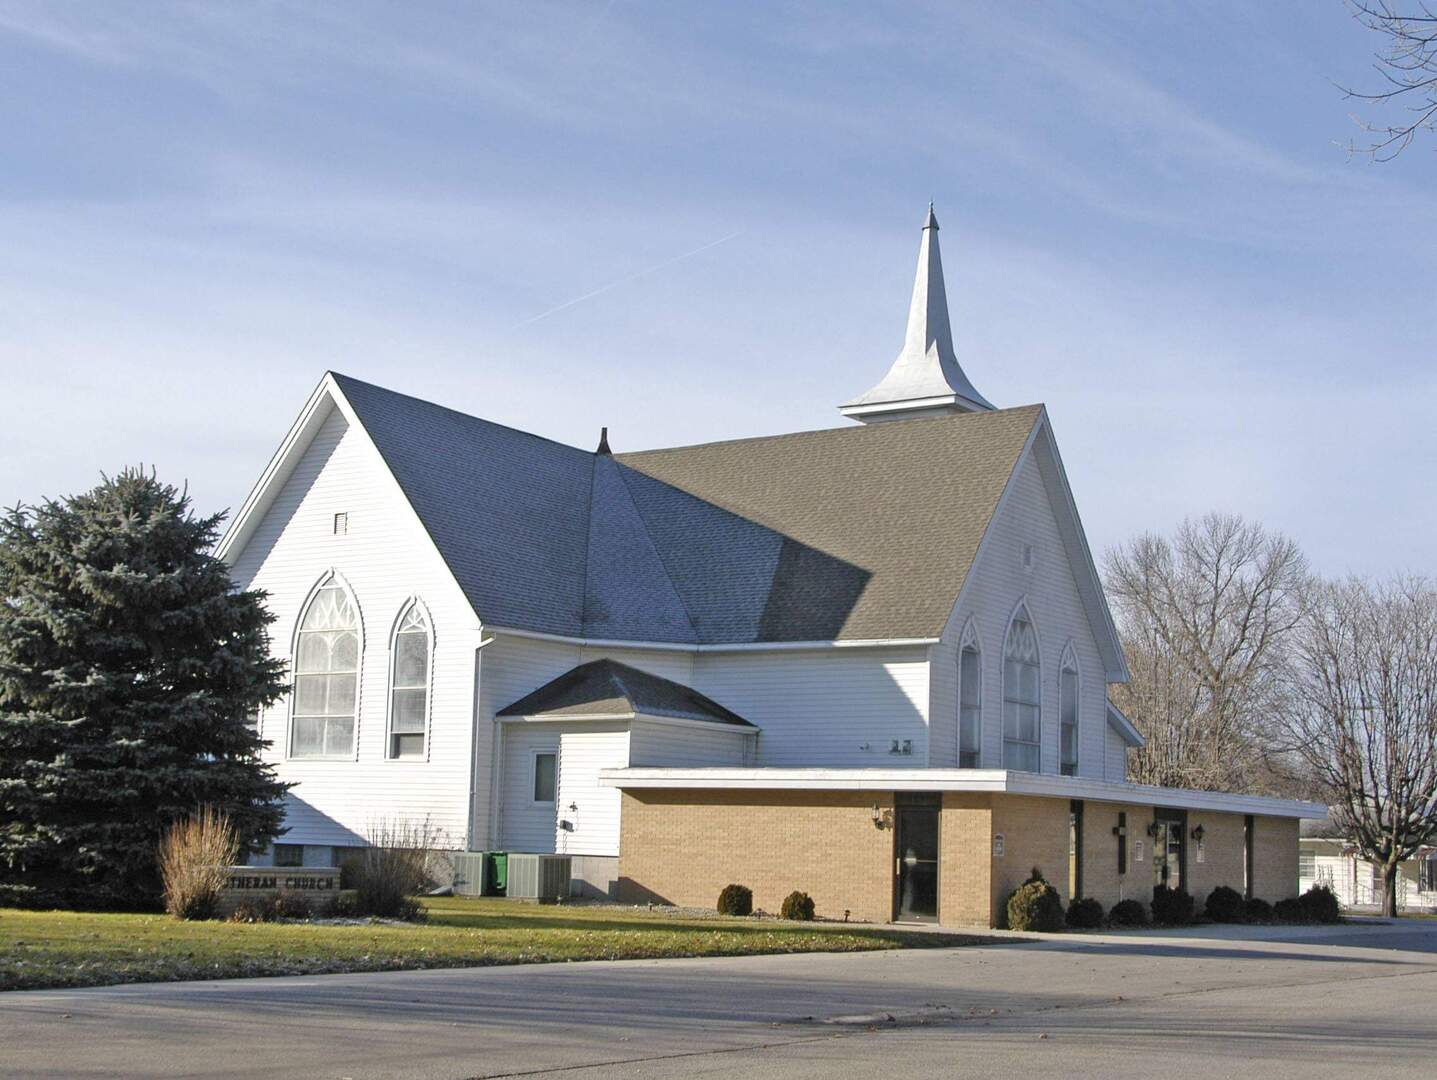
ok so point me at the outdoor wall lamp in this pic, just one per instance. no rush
(882, 818)
(1197, 834)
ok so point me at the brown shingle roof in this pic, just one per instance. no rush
(875, 527)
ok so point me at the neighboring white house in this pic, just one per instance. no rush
(1334, 862)
(495, 633)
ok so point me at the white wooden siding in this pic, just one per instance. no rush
(512, 666)
(385, 558)
(834, 707)
(943, 704)
(526, 825)
(584, 817)
(997, 581)
(1115, 755)
(684, 745)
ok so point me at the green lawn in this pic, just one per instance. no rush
(62, 948)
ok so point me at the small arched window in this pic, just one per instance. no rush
(326, 676)
(409, 684)
(1022, 707)
(970, 702)
(1068, 714)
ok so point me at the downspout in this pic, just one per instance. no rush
(474, 743)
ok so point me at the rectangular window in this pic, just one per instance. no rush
(1306, 864)
(1249, 824)
(545, 773)
(1075, 849)
(1427, 874)
(289, 854)
(969, 709)
(1121, 832)
(1068, 720)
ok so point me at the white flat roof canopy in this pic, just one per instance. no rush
(992, 781)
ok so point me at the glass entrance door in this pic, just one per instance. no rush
(915, 851)
(1170, 848)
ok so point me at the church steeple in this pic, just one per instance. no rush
(926, 379)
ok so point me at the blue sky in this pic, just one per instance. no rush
(694, 222)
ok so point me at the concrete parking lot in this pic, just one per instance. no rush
(1355, 1000)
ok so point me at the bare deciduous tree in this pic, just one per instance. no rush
(1205, 619)
(1363, 714)
(1407, 63)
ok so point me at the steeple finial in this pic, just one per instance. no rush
(925, 379)
(603, 442)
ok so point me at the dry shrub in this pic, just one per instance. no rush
(400, 862)
(195, 856)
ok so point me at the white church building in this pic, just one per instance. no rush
(870, 663)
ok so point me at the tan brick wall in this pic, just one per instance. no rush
(683, 847)
(965, 862)
(1035, 833)
(1101, 879)
(1223, 854)
(1274, 858)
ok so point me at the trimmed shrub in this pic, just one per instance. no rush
(1171, 907)
(735, 900)
(797, 905)
(282, 906)
(254, 909)
(1288, 909)
(1258, 910)
(1128, 913)
(1085, 914)
(1035, 905)
(195, 856)
(1224, 905)
(292, 905)
(341, 906)
(1319, 905)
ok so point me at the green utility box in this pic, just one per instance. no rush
(496, 873)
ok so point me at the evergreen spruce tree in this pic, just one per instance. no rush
(131, 672)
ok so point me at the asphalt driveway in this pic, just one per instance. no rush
(1301, 1003)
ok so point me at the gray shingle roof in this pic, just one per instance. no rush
(609, 688)
(856, 533)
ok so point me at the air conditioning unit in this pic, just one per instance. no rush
(469, 873)
(544, 878)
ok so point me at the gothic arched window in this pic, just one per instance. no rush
(1068, 714)
(970, 701)
(326, 675)
(1022, 696)
(409, 684)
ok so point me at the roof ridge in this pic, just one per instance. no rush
(658, 551)
(889, 425)
(588, 546)
(339, 375)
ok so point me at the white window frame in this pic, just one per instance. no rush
(412, 604)
(534, 755)
(1427, 873)
(1070, 664)
(326, 579)
(1023, 612)
(970, 643)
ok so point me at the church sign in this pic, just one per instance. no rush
(316, 884)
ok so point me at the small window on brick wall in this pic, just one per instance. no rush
(341, 523)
